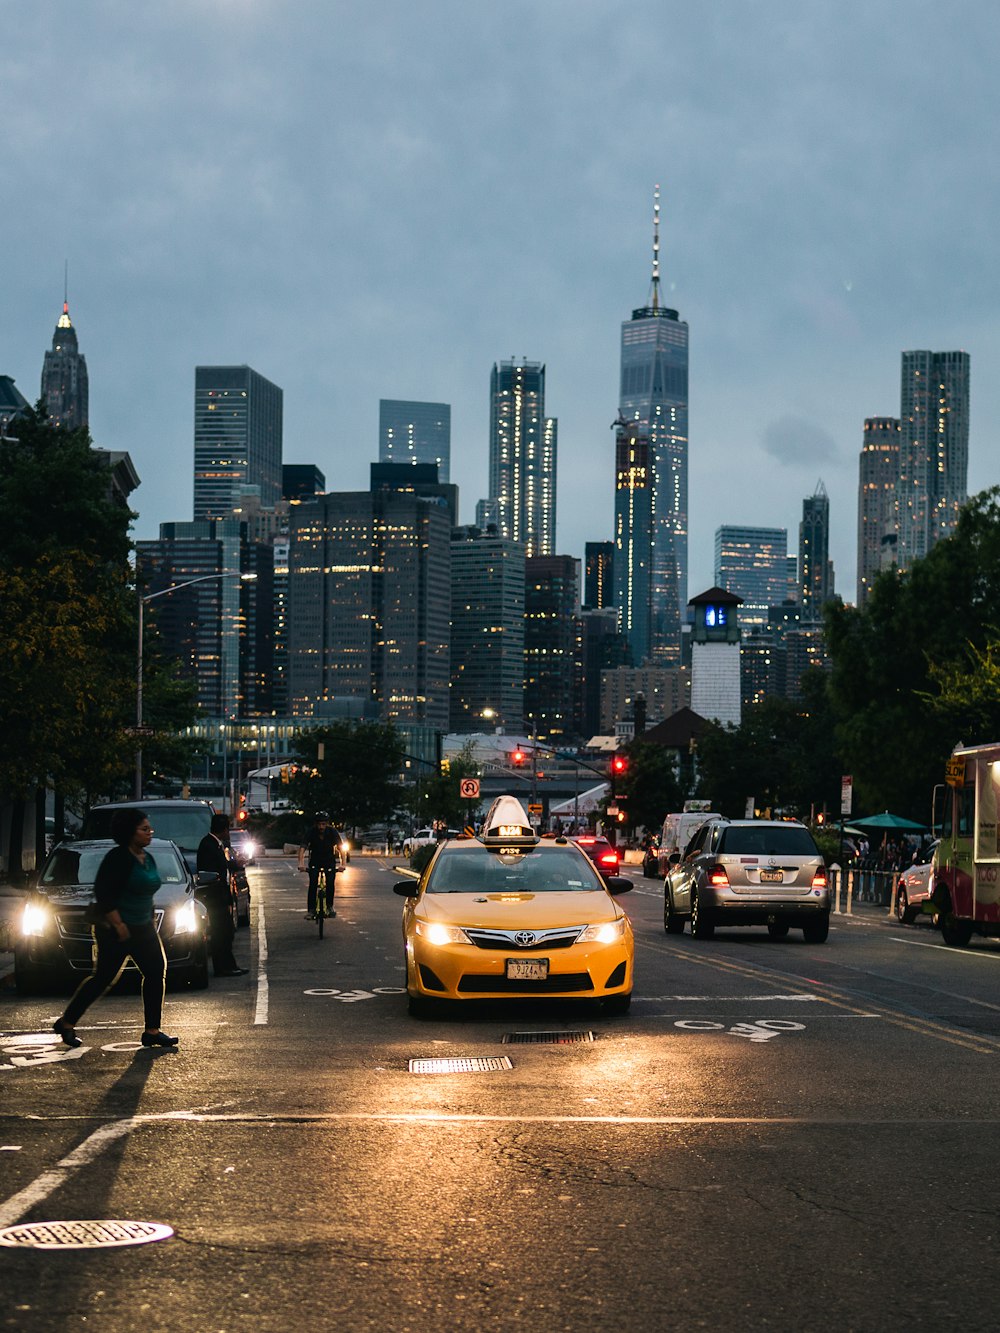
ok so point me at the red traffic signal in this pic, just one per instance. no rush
(517, 758)
(619, 765)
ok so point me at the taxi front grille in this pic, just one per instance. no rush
(474, 983)
(561, 938)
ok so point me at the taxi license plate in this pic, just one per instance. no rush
(771, 876)
(527, 969)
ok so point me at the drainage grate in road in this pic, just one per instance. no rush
(83, 1235)
(473, 1064)
(545, 1038)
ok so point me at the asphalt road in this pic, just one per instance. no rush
(778, 1136)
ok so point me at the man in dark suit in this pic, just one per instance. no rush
(217, 896)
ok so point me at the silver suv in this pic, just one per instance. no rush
(748, 872)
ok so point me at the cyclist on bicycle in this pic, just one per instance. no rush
(321, 853)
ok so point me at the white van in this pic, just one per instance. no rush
(679, 829)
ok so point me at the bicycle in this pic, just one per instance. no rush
(322, 911)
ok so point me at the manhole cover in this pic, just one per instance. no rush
(461, 1065)
(545, 1038)
(83, 1235)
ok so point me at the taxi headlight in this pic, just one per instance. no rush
(605, 933)
(435, 933)
(185, 919)
(35, 919)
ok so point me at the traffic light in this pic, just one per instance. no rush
(242, 814)
(517, 758)
(619, 766)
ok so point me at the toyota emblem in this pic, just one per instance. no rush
(525, 938)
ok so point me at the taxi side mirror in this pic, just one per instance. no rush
(618, 884)
(407, 888)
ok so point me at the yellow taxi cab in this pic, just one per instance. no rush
(508, 914)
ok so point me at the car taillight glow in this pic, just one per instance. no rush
(819, 879)
(717, 875)
(609, 859)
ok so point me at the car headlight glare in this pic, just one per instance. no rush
(604, 933)
(35, 919)
(435, 933)
(185, 919)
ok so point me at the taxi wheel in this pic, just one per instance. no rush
(702, 925)
(618, 1004)
(419, 1006)
(903, 910)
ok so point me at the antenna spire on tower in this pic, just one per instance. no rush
(656, 247)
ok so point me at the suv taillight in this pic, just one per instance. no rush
(819, 879)
(609, 859)
(717, 875)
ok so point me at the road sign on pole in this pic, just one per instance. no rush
(468, 789)
(846, 795)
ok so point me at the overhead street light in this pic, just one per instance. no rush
(140, 729)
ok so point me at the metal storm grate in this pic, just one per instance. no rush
(545, 1038)
(473, 1064)
(83, 1235)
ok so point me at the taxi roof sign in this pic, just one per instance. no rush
(507, 824)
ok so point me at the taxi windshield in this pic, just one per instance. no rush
(471, 869)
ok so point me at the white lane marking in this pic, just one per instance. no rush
(949, 948)
(14, 1208)
(741, 999)
(260, 1012)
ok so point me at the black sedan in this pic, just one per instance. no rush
(53, 943)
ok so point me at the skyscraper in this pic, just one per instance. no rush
(654, 398)
(633, 555)
(219, 628)
(65, 386)
(487, 630)
(878, 512)
(369, 597)
(553, 666)
(523, 456)
(815, 569)
(752, 563)
(933, 451)
(415, 433)
(237, 439)
(598, 579)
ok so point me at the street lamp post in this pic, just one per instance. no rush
(140, 729)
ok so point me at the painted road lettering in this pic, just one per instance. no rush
(763, 1029)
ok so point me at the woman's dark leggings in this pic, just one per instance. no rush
(146, 950)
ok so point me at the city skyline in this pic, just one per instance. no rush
(362, 254)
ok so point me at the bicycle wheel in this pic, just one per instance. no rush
(321, 901)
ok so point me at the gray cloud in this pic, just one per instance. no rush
(795, 442)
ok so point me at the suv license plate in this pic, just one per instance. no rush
(527, 969)
(771, 876)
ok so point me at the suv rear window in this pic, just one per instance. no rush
(182, 823)
(768, 841)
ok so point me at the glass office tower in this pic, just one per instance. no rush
(752, 563)
(415, 433)
(654, 399)
(933, 449)
(237, 439)
(523, 456)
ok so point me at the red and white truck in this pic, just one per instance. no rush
(966, 866)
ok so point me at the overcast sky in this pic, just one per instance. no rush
(365, 200)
